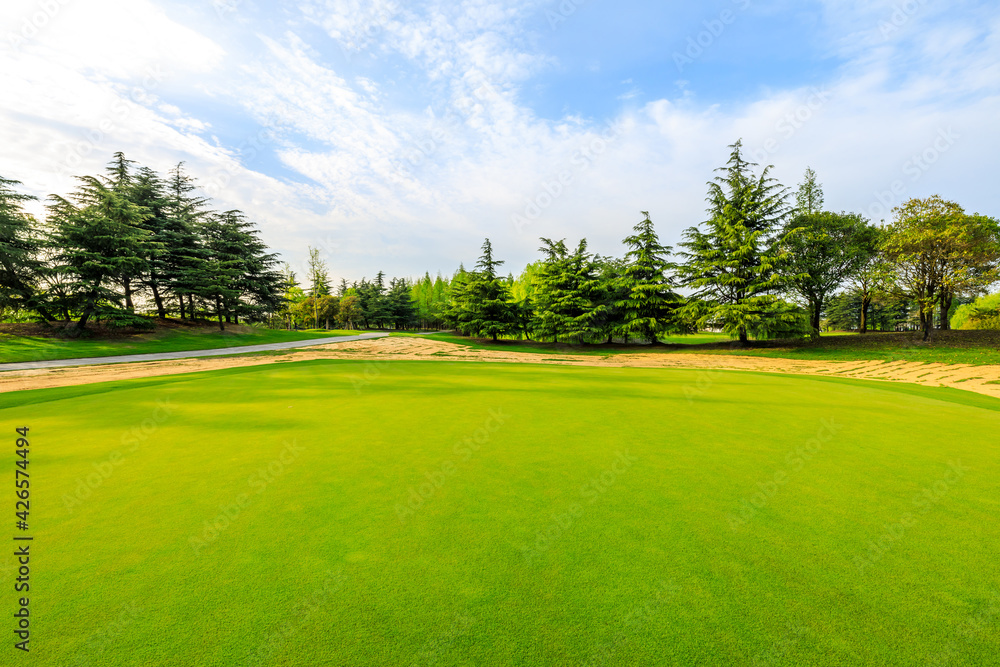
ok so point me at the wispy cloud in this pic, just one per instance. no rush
(399, 134)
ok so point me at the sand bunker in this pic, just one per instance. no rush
(960, 376)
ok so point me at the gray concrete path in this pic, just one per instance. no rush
(164, 356)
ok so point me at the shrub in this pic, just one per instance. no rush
(984, 313)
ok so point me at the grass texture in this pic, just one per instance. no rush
(422, 513)
(16, 348)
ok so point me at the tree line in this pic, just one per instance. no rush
(131, 234)
(767, 263)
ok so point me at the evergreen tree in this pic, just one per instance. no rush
(567, 298)
(403, 311)
(21, 268)
(148, 192)
(487, 297)
(97, 239)
(120, 180)
(809, 196)
(459, 308)
(647, 305)
(736, 266)
(222, 267)
(614, 291)
(185, 252)
(430, 300)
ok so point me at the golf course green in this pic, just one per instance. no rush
(441, 513)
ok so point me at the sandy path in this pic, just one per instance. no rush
(971, 378)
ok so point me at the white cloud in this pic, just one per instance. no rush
(405, 140)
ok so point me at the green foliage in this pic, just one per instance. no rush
(645, 306)
(349, 311)
(318, 274)
(20, 243)
(567, 295)
(824, 250)
(885, 313)
(430, 301)
(97, 239)
(809, 196)
(118, 318)
(938, 251)
(736, 267)
(486, 301)
(984, 313)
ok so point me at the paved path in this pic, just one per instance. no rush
(165, 356)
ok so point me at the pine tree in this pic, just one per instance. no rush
(21, 268)
(148, 191)
(222, 267)
(567, 299)
(98, 238)
(458, 309)
(809, 196)
(120, 180)
(185, 252)
(487, 298)
(614, 291)
(403, 310)
(736, 266)
(647, 306)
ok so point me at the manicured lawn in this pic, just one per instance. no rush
(37, 348)
(699, 338)
(348, 513)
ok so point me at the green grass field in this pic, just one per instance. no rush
(422, 513)
(15, 348)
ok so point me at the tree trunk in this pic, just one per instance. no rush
(946, 299)
(817, 310)
(161, 312)
(865, 303)
(44, 312)
(127, 284)
(743, 336)
(88, 310)
(191, 305)
(218, 312)
(180, 300)
(927, 322)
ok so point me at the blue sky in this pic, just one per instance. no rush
(395, 136)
